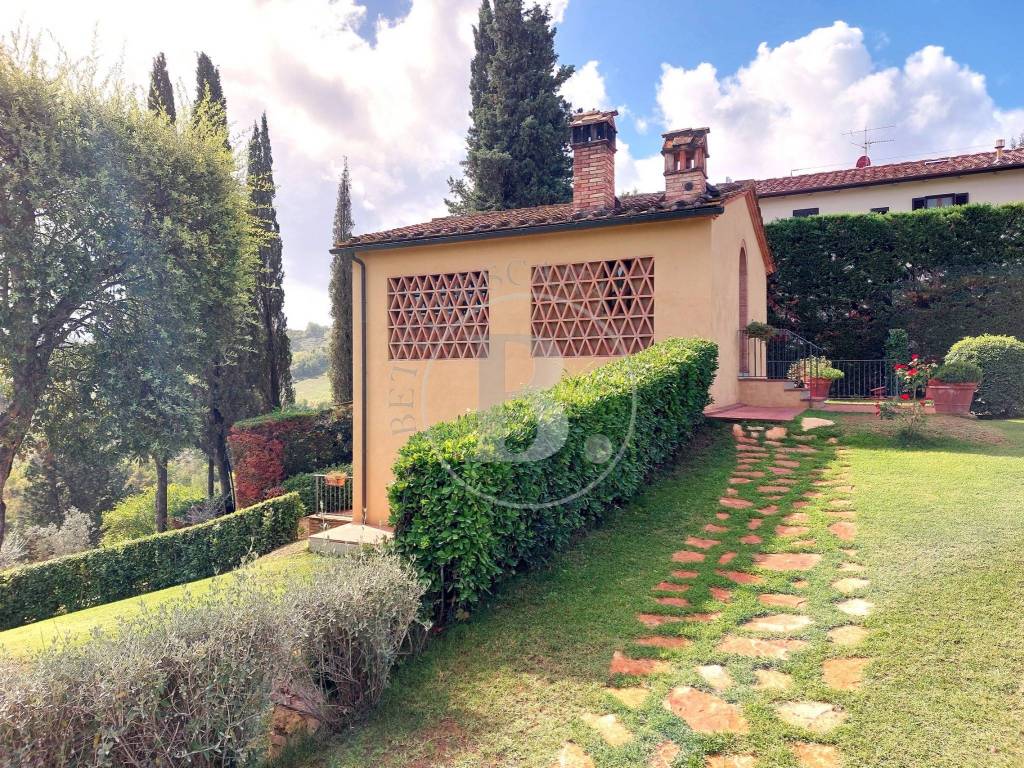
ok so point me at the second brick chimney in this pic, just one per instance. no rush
(686, 169)
(593, 160)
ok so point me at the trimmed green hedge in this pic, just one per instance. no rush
(42, 590)
(470, 517)
(1001, 359)
(843, 281)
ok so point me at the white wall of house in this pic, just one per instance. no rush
(1005, 186)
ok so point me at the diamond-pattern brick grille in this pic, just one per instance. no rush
(438, 317)
(593, 308)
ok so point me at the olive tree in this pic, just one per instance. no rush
(118, 232)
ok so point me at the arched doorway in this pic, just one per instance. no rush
(744, 314)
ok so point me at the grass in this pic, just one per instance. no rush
(315, 391)
(943, 537)
(939, 533)
(23, 640)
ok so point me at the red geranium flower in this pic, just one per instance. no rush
(904, 396)
(912, 372)
(900, 367)
(915, 357)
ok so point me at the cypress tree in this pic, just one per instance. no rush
(273, 349)
(341, 295)
(161, 94)
(517, 145)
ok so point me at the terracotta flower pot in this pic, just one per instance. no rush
(951, 398)
(819, 388)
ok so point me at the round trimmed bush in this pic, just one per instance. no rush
(1001, 359)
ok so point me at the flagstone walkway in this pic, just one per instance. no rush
(747, 654)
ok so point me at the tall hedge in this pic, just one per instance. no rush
(843, 281)
(41, 590)
(269, 449)
(469, 517)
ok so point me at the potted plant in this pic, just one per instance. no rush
(952, 387)
(760, 331)
(816, 373)
(914, 376)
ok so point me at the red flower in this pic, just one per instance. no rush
(912, 372)
(904, 396)
(901, 367)
(915, 357)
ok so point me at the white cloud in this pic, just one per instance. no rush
(556, 7)
(790, 105)
(585, 89)
(395, 102)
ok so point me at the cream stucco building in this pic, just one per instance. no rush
(984, 177)
(462, 312)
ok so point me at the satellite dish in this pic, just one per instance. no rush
(863, 161)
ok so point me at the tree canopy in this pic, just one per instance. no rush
(517, 146)
(341, 294)
(118, 232)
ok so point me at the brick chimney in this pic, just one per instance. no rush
(686, 154)
(593, 160)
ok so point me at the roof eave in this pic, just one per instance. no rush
(640, 218)
(900, 180)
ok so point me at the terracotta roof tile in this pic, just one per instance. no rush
(880, 174)
(627, 207)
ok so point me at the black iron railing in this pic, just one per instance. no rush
(772, 358)
(789, 356)
(865, 379)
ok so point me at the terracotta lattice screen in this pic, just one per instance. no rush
(438, 317)
(593, 308)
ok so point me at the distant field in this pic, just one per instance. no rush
(316, 391)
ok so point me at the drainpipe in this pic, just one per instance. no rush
(362, 376)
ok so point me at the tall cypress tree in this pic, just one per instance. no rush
(161, 94)
(341, 295)
(273, 349)
(517, 147)
(230, 384)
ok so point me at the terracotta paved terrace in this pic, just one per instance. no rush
(759, 611)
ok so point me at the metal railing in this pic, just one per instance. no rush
(865, 379)
(777, 357)
(772, 358)
(333, 493)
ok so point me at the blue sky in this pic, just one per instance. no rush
(384, 82)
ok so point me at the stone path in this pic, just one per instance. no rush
(766, 580)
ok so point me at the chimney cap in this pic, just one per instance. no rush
(1000, 143)
(686, 138)
(593, 116)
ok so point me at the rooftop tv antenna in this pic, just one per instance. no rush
(866, 142)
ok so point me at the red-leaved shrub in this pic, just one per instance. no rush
(259, 466)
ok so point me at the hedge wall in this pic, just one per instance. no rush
(268, 449)
(942, 274)
(41, 590)
(469, 517)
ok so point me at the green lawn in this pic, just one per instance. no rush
(80, 623)
(315, 391)
(939, 536)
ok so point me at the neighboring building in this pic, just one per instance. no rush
(985, 177)
(465, 311)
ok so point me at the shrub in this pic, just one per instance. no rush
(41, 590)
(469, 517)
(958, 372)
(1001, 359)
(13, 550)
(308, 364)
(188, 682)
(759, 330)
(193, 682)
(305, 486)
(270, 448)
(74, 534)
(814, 367)
(134, 517)
(897, 346)
(353, 617)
